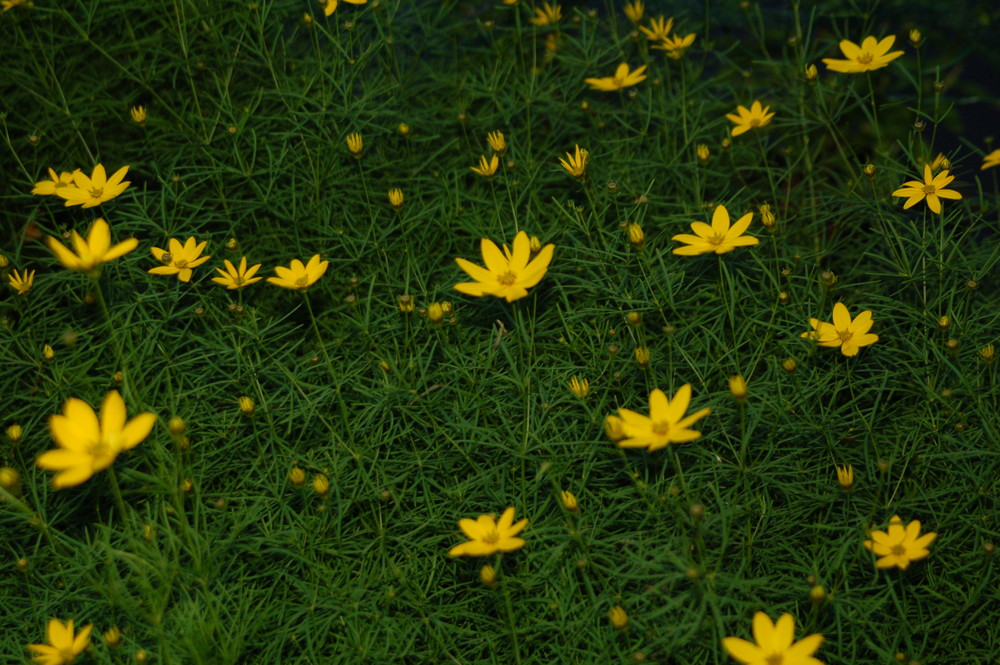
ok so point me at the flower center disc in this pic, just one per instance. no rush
(774, 659)
(661, 428)
(716, 238)
(844, 335)
(755, 122)
(97, 193)
(898, 550)
(492, 536)
(929, 189)
(301, 281)
(182, 263)
(507, 278)
(866, 58)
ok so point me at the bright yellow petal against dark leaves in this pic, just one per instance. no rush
(675, 46)
(487, 537)
(659, 28)
(55, 182)
(623, 78)
(299, 276)
(872, 54)
(93, 251)
(719, 238)
(64, 643)
(547, 15)
(487, 167)
(746, 119)
(507, 274)
(180, 259)
(330, 6)
(92, 191)
(846, 333)
(665, 424)
(774, 643)
(989, 161)
(575, 164)
(899, 546)
(237, 278)
(931, 190)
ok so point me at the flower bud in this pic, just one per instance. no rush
(396, 198)
(435, 313)
(703, 153)
(113, 637)
(176, 425)
(297, 476)
(642, 356)
(738, 387)
(870, 171)
(766, 216)
(534, 244)
(916, 38)
(944, 323)
(987, 353)
(321, 484)
(138, 114)
(9, 479)
(580, 387)
(817, 594)
(406, 304)
(14, 434)
(355, 144)
(618, 617)
(634, 318)
(488, 575)
(118, 377)
(845, 477)
(636, 235)
(403, 129)
(140, 657)
(48, 352)
(789, 364)
(247, 405)
(569, 501)
(811, 73)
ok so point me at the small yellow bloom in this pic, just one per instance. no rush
(299, 276)
(64, 643)
(576, 164)
(48, 352)
(14, 434)
(642, 356)
(138, 114)
(944, 323)
(930, 190)
(659, 29)
(487, 536)
(569, 501)
(817, 594)
(579, 387)
(21, 284)
(547, 15)
(177, 426)
(297, 476)
(848, 334)
(535, 244)
(916, 38)
(871, 55)
(487, 167)
(991, 160)
(987, 353)
(95, 190)
(703, 152)
(634, 10)
(507, 274)
(435, 313)
(321, 484)
(330, 6)
(487, 575)
(54, 183)
(774, 643)
(403, 129)
(236, 278)
(845, 477)
(396, 198)
(755, 117)
(618, 617)
(93, 251)
(676, 46)
(247, 405)
(636, 235)
(738, 387)
(719, 238)
(623, 78)
(113, 637)
(497, 141)
(180, 259)
(789, 364)
(355, 144)
(665, 424)
(406, 304)
(901, 545)
(811, 73)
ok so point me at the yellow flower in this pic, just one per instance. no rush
(665, 423)
(247, 405)
(14, 434)
(355, 144)
(703, 152)
(659, 29)
(811, 73)
(774, 643)
(321, 484)
(576, 165)
(48, 352)
(396, 198)
(633, 10)
(872, 54)
(901, 545)
(991, 160)
(180, 259)
(64, 643)
(297, 476)
(930, 190)
(330, 6)
(579, 387)
(676, 46)
(753, 118)
(88, 445)
(720, 237)
(488, 575)
(22, 284)
(113, 637)
(138, 114)
(486, 536)
(93, 251)
(403, 129)
(738, 387)
(299, 276)
(622, 78)
(569, 501)
(406, 304)
(767, 216)
(497, 141)
(618, 617)
(54, 183)
(487, 167)
(845, 477)
(435, 313)
(95, 190)
(636, 235)
(236, 278)
(642, 356)
(849, 335)
(507, 274)
(547, 15)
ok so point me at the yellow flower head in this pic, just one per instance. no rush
(299, 276)
(93, 251)
(507, 274)
(180, 259)
(703, 152)
(236, 278)
(355, 144)
(547, 15)
(900, 545)
(665, 423)
(88, 445)
(622, 78)
(569, 501)
(845, 477)
(575, 164)
(659, 28)
(95, 190)
(21, 284)
(774, 643)
(396, 198)
(931, 190)
(753, 118)
(738, 387)
(487, 167)
(636, 235)
(991, 160)
(579, 387)
(486, 536)
(497, 142)
(64, 643)
(719, 238)
(872, 54)
(675, 46)
(138, 114)
(634, 10)
(54, 183)
(848, 334)
(618, 617)
(330, 6)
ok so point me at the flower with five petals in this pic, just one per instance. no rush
(507, 274)
(623, 78)
(753, 118)
(872, 54)
(486, 536)
(64, 645)
(236, 278)
(95, 190)
(93, 251)
(21, 284)
(180, 259)
(299, 276)
(720, 237)
(931, 190)
(848, 334)
(775, 644)
(900, 545)
(665, 424)
(54, 183)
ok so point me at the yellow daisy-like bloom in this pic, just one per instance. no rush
(775, 644)
(930, 190)
(236, 278)
(659, 28)
(330, 6)
(507, 274)
(623, 78)
(487, 167)
(753, 118)
(180, 259)
(138, 114)
(665, 423)
(299, 276)
(87, 445)
(575, 164)
(355, 144)
(486, 536)
(991, 160)
(845, 477)
(64, 643)
(633, 10)
(676, 46)
(93, 251)
(719, 238)
(547, 15)
(497, 142)
(54, 183)
(22, 284)
(848, 334)
(900, 545)
(395, 196)
(872, 54)
(95, 190)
